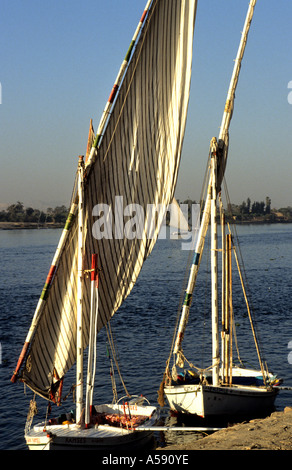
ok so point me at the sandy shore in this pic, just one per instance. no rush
(271, 433)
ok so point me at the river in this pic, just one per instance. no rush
(143, 327)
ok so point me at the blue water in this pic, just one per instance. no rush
(144, 325)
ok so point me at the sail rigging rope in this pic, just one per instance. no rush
(187, 269)
(243, 282)
(113, 350)
(245, 286)
(200, 369)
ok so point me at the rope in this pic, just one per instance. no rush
(187, 270)
(32, 411)
(113, 349)
(199, 369)
(184, 283)
(244, 283)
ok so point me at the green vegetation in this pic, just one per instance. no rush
(18, 213)
(246, 212)
(260, 212)
(256, 212)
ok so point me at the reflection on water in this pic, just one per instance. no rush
(174, 437)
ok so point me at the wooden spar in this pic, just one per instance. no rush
(223, 290)
(194, 270)
(74, 205)
(45, 291)
(193, 273)
(235, 74)
(226, 330)
(214, 270)
(227, 364)
(92, 339)
(230, 306)
(223, 136)
(79, 325)
(229, 105)
(116, 86)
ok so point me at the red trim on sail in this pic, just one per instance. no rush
(113, 93)
(94, 269)
(51, 274)
(143, 16)
(20, 361)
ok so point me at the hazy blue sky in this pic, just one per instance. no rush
(59, 60)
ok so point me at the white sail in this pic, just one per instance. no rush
(178, 218)
(137, 160)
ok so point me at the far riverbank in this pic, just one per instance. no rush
(28, 225)
(51, 225)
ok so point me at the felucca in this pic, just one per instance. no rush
(220, 390)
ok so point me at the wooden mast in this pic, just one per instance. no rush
(214, 268)
(79, 323)
(116, 87)
(91, 367)
(229, 104)
(223, 288)
(223, 142)
(227, 336)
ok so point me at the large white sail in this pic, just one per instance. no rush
(136, 163)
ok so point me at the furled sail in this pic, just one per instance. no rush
(135, 167)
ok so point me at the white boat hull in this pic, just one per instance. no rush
(100, 437)
(207, 401)
(72, 437)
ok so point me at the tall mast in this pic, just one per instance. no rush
(227, 115)
(79, 326)
(221, 164)
(223, 290)
(91, 367)
(229, 310)
(72, 212)
(229, 104)
(214, 269)
(116, 86)
(193, 275)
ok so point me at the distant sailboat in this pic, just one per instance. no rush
(221, 390)
(133, 158)
(178, 220)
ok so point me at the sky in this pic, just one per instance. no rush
(59, 60)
